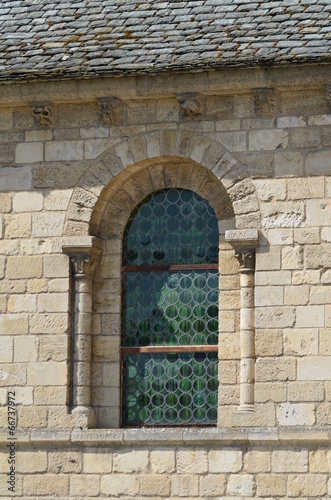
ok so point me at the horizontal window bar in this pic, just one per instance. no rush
(171, 267)
(169, 349)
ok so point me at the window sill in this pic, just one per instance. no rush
(257, 436)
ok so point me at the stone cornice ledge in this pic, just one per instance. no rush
(255, 436)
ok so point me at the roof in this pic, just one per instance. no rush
(85, 38)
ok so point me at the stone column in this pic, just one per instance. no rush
(245, 242)
(84, 260)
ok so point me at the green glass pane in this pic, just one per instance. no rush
(174, 389)
(162, 228)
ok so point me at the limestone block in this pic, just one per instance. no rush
(271, 190)
(275, 392)
(318, 163)
(212, 485)
(318, 256)
(257, 461)
(111, 374)
(156, 485)
(135, 461)
(301, 342)
(97, 461)
(105, 348)
(275, 369)
(225, 460)
(8, 247)
(290, 461)
(50, 395)
(28, 202)
(162, 461)
(64, 150)
(318, 212)
(13, 375)
(29, 152)
(103, 396)
(227, 125)
(228, 372)
(38, 135)
(268, 342)
(31, 461)
(229, 395)
(49, 373)
(323, 414)
(305, 391)
(18, 226)
(241, 485)
(53, 302)
(22, 303)
(296, 295)
(314, 368)
(6, 352)
(289, 164)
(273, 296)
(56, 266)
(5, 203)
(15, 178)
(49, 323)
(47, 224)
(84, 485)
(304, 236)
(283, 214)
(192, 462)
(244, 105)
(306, 277)
(271, 485)
(320, 461)
(268, 139)
(305, 138)
(120, 485)
(53, 347)
(57, 199)
(291, 414)
(142, 111)
(308, 485)
(184, 486)
(280, 236)
(275, 317)
(25, 349)
(326, 234)
(325, 342)
(47, 484)
(33, 417)
(64, 461)
(233, 141)
(14, 324)
(310, 316)
(291, 121)
(320, 294)
(95, 147)
(298, 189)
(319, 120)
(90, 133)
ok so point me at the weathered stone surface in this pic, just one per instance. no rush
(227, 460)
(264, 140)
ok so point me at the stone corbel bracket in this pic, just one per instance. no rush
(112, 111)
(191, 106)
(266, 102)
(328, 95)
(84, 253)
(245, 242)
(44, 114)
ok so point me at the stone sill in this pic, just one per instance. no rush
(257, 436)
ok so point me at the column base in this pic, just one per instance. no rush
(87, 415)
(246, 408)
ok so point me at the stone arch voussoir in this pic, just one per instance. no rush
(138, 163)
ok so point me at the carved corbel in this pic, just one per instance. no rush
(328, 95)
(112, 111)
(191, 106)
(43, 113)
(266, 102)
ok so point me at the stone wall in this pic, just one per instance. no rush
(75, 160)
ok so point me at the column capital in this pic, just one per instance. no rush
(244, 242)
(83, 253)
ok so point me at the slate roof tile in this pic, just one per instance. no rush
(101, 37)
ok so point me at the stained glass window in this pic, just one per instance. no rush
(170, 312)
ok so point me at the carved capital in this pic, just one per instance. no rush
(112, 111)
(191, 106)
(43, 114)
(266, 102)
(246, 259)
(83, 264)
(84, 256)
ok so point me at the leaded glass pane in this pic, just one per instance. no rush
(174, 226)
(170, 308)
(170, 389)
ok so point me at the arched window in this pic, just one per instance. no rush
(170, 312)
